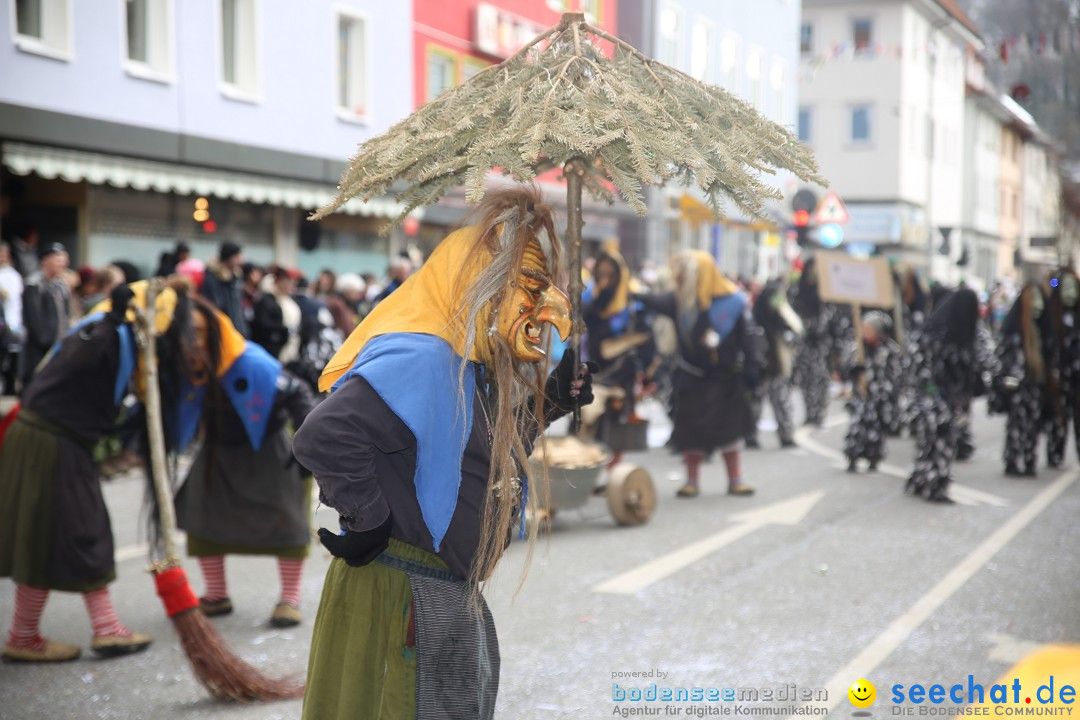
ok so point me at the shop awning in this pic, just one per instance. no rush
(101, 169)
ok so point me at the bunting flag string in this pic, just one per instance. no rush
(1058, 42)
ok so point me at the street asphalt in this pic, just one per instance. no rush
(820, 579)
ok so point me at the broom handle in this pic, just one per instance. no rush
(574, 171)
(166, 511)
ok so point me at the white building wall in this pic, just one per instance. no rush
(858, 171)
(293, 108)
(735, 38)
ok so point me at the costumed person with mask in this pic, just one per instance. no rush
(913, 308)
(811, 373)
(618, 348)
(55, 531)
(780, 327)
(718, 367)
(244, 494)
(1024, 367)
(873, 411)
(1065, 316)
(437, 397)
(949, 369)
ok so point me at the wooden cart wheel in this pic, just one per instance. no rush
(631, 496)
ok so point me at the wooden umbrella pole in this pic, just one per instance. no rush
(574, 170)
(155, 431)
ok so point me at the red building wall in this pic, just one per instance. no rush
(446, 28)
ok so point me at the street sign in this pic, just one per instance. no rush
(830, 235)
(832, 210)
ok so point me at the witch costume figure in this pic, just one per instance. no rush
(1024, 368)
(55, 531)
(948, 370)
(873, 412)
(243, 494)
(1065, 317)
(436, 398)
(619, 349)
(719, 365)
(780, 328)
(811, 373)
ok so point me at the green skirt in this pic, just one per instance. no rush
(400, 639)
(55, 531)
(362, 664)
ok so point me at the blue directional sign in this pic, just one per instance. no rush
(830, 235)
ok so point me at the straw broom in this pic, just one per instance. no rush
(226, 676)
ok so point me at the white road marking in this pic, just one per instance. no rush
(863, 664)
(1009, 649)
(786, 512)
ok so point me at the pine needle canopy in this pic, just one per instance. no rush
(634, 121)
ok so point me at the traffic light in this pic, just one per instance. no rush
(802, 227)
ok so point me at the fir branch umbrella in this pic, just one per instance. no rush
(560, 102)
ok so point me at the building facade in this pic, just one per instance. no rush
(755, 56)
(882, 95)
(455, 39)
(116, 116)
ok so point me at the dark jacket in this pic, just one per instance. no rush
(45, 317)
(224, 289)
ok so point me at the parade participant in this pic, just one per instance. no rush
(716, 370)
(811, 373)
(615, 344)
(949, 367)
(55, 532)
(913, 309)
(437, 396)
(243, 494)
(872, 411)
(1065, 316)
(46, 309)
(780, 327)
(1024, 367)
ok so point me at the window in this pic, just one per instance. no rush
(860, 124)
(862, 31)
(446, 69)
(591, 8)
(470, 66)
(239, 52)
(806, 38)
(777, 78)
(441, 71)
(149, 38)
(701, 40)
(729, 62)
(755, 82)
(670, 27)
(806, 126)
(352, 66)
(44, 27)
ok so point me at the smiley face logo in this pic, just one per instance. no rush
(862, 693)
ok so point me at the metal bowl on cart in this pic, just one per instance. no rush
(575, 468)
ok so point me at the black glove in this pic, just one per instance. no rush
(358, 548)
(559, 391)
(120, 298)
